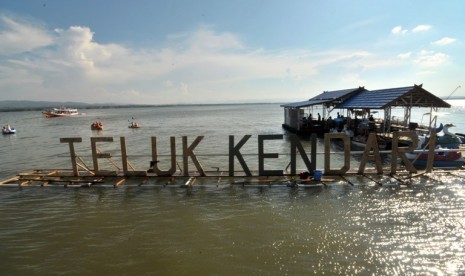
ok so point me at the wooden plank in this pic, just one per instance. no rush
(191, 181)
(119, 182)
(100, 180)
(86, 169)
(9, 180)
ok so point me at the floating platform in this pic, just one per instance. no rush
(65, 178)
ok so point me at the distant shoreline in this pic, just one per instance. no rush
(85, 107)
(7, 106)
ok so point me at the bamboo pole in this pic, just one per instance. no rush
(121, 181)
(6, 181)
(86, 169)
(84, 166)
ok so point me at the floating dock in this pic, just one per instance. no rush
(64, 178)
(83, 175)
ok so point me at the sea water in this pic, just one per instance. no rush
(338, 229)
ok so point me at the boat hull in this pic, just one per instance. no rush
(451, 160)
(421, 163)
(52, 115)
(60, 112)
(7, 132)
(360, 141)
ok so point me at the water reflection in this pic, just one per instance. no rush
(339, 228)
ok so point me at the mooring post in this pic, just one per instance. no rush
(124, 155)
(71, 142)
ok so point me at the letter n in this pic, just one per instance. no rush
(296, 145)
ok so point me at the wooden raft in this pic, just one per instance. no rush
(66, 178)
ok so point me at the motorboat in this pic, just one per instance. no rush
(60, 112)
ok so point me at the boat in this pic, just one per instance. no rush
(7, 129)
(461, 137)
(133, 124)
(364, 128)
(97, 125)
(444, 159)
(60, 112)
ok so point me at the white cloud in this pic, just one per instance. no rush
(431, 59)
(68, 64)
(445, 41)
(398, 30)
(421, 28)
(406, 55)
(18, 37)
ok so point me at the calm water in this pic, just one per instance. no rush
(340, 229)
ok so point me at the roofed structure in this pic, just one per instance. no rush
(355, 99)
(327, 97)
(410, 96)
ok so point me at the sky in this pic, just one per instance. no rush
(226, 51)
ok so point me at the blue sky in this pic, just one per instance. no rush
(181, 52)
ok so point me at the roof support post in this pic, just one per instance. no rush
(433, 119)
(387, 119)
(407, 113)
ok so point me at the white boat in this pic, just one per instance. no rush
(61, 112)
(8, 130)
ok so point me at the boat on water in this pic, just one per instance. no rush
(444, 159)
(60, 112)
(97, 125)
(133, 124)
(360, 137)
(7, 129)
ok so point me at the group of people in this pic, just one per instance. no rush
(7, 129)
(134, 124)
(309, 120)
(96, 125)
(341, 123)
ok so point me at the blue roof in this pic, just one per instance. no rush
(325, 97)
(337, 94)
(304, 103)
(402, 96)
